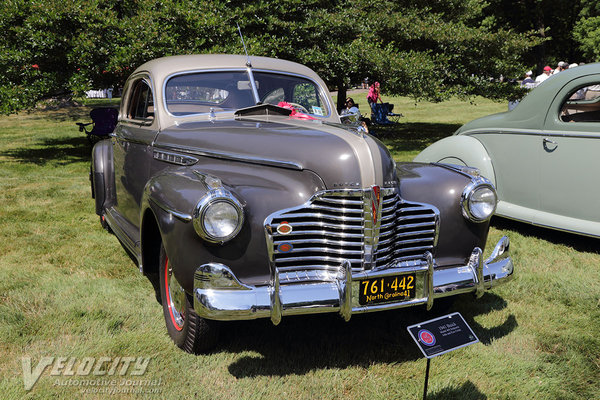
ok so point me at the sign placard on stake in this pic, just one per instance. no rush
(442, 335)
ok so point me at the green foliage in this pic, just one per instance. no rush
(587, 34)
(427, 48)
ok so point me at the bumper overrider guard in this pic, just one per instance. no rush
(219, 295)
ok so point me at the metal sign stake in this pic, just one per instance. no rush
(426, 379)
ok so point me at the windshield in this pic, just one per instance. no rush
(226, 91)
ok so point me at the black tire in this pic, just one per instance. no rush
(188, 331)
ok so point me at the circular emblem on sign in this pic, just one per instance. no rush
(285, 247)
(284, 228)
(426, 337)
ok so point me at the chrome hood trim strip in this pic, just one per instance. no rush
(232, 156)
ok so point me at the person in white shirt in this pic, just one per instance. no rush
(561, 67)
(544, 75)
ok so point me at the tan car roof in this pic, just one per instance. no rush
(161, 68)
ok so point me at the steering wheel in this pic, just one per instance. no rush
(300, 108)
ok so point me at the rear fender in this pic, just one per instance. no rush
(103, 176)
(460, 150)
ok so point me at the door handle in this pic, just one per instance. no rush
(548, 141)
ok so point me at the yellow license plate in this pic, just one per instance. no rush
(387, 289)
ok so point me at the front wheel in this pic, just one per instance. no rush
(190, 332)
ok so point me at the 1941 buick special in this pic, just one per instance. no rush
(233, 184)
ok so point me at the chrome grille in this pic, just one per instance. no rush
(408, 230)
(335, 226)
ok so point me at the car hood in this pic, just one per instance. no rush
(343, 158)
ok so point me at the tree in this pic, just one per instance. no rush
(430, 49)
(587, 30)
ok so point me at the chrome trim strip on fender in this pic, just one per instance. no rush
(232, 156)
(174, 158)
(182, 216)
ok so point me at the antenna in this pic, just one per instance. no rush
(244, 44)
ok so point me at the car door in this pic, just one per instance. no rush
(514, 153)
(131, 148)
(570, 158)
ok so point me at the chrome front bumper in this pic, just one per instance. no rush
(219, 295)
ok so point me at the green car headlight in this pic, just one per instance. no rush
(479, 201)
(218, 216)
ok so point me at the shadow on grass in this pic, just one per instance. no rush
(467, 391)
(301, 344)
(412, 136)
(71, 113)
(578, 242)
(63, 151)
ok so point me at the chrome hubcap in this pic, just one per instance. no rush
(176, 299)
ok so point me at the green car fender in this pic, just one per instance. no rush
(459, 150)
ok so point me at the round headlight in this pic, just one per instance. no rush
(479, 202)
(218, 217)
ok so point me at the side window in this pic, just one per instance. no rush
(582, 105)
(141, 103)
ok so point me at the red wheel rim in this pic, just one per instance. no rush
(176, 315)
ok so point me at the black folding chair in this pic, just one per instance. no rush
(104, 121)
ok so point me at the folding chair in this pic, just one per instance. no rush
(381, 112)
(104, 121)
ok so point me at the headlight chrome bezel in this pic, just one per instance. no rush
(205, 203)
(478, 183)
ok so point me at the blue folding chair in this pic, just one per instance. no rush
(104, 121)
(381, 112)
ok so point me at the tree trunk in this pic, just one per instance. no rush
(341, 97)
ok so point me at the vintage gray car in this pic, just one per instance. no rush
(232, 183)
(539, 154)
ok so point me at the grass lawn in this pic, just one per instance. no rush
(68, 289)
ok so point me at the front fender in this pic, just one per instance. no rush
(460, 150)
(172, 195)
(442, 187)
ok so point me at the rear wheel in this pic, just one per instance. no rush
(190, 332)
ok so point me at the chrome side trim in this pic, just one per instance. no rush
(232, 156)
(132, 245)
(182, 216)
(174, 158)
(528, 222)
(582, 134)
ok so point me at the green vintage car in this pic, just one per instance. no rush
(541, 155)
